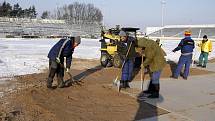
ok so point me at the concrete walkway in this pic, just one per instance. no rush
(186, 100)
(210, 67)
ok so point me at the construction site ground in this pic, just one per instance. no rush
(93, 98)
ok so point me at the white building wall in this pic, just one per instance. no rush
(150, 30)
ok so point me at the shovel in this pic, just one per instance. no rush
(142, 74)
(66, 83)
(116, 82)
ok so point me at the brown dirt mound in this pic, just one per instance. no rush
(212, 60)
(89, 100)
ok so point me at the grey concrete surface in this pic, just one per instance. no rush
(186, 100)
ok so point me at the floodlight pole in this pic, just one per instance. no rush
(163, 2)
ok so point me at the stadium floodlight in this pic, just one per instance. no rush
(163, 2)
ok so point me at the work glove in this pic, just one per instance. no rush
(67, 70)
(58, 60)
(146, 69)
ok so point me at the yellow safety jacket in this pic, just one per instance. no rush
(205, 46)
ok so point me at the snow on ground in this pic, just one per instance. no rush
(169, 45)
(25, 56)
(88, 49)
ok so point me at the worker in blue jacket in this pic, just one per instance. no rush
(186, 46)
(63, 48)
(126, 48)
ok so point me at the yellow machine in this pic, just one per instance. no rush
(109, 55)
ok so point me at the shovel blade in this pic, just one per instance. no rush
(117, 84)
(115, 81)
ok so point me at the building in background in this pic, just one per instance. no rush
(177, 31)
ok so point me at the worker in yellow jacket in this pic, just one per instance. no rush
(206, 48)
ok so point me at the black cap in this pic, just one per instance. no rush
(205, 36)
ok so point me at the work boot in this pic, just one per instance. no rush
(204, 66)
(50, 77)
(173, 77)
(155, 93)
(60, 82)
(199, 65)
(49, 83)
(185, 78)
(150, 88)
(126, 84)
(122, 84)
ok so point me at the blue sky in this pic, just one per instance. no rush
(139, 13)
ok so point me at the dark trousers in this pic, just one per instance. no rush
(183, 60)
(127, 70)
(55, 68)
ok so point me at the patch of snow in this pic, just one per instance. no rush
(26, 56)
(169, 45)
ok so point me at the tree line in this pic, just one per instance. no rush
(8, 10)
(76, 13)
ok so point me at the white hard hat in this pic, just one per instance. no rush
(122, 33)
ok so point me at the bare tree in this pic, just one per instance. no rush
(80, 13)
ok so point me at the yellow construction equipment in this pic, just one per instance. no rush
(109, 55)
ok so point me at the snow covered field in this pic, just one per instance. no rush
(25, 56)
(169, 45)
